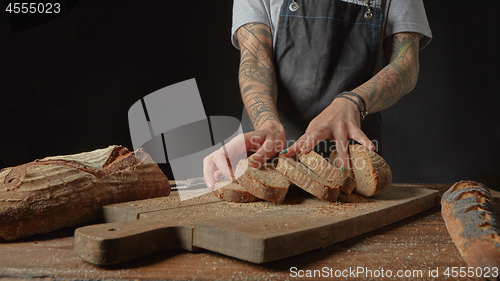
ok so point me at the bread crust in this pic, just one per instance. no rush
(236, 194)
(377, 169)
(63, 191)
(262, 191)
(321, 190)
(259, 189)
(324, 169)
(468, 212)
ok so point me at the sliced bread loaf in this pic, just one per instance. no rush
(306, 179)
(373, 175)
(265, 183)
(320, 166)
(335, 161)
(233, 192)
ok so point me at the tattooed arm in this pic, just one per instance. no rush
(398, 78)
(340, 120)
(257, 75)
(257, 78)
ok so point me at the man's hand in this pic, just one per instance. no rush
(264, 143)
(340, 122)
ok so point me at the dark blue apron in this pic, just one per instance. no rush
(323, 48)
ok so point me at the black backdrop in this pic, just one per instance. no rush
(66, 85)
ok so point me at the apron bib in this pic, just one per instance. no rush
(324, 47)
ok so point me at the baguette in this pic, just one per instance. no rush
(62, 191)
(371, 172)
(265, 183)
(467, 209)
(324, 169)
(233, 192)
(306, 179)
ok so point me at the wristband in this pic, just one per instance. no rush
(362, 112)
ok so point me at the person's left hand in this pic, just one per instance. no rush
(340, 122)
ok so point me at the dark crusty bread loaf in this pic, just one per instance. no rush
(467, 209)
(233, 192)
(62, 191)
(371, 172)
(324, 169)
(306, 179)
(265, 183)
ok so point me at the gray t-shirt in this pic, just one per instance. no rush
(400, 16)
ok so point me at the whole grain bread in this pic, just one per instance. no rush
(327, 171)
(467, 209)
(306, 179)
(371, 172)
(233, 192)
(62, 191)
(335, 161)
(265, 183)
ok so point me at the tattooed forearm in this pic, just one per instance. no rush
(260, 108)
(257, 74)
(260, 74)
(398, 78)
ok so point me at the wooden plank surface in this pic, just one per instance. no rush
(128, 211)
(258, 232)
(312, 224)
(415, 243)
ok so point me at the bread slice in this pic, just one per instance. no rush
(373, 175)
(306, 179)
(335, 161)
(320, 166)
(233, 192)
(265, 183)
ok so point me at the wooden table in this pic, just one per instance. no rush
(413, 245)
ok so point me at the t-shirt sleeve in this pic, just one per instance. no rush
(247, 11)
(408, 16)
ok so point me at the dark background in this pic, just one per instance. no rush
(66, 85)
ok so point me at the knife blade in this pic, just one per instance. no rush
(189, 184)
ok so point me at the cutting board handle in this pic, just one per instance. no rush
(111, 243)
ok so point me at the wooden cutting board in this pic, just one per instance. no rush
(257, 232)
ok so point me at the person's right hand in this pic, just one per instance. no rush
(265, 143)
(340, 122)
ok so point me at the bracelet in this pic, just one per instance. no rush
(362, 112)
(361, 99)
